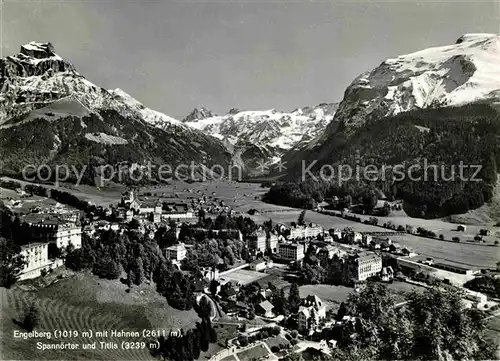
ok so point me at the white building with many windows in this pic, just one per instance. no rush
(363, 265)
(291, 251)
(311, 230)
(176, 252)
(257, 241)
(55, 231)
(36, 257)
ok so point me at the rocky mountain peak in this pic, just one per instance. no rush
(38, 50)
(34, 59)
(475, 37)
(197, 114)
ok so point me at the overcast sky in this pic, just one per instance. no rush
(254, 54)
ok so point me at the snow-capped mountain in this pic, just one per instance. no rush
(77, 120)
(197, 114)
(38, 76)
(464, 72)
(265, 135)
(452, 75)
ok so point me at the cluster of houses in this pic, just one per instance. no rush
(156, 210)
(311, 313)
(290, 244)
(285, 243)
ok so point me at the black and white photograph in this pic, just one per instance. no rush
(249, 180)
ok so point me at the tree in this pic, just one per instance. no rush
(201, 215)
(107, 268)
(432, 325)
(302, 216)
(11, 262)
(294, 299)
(134, 223)
(214, 285)
(386, 209)
(212, 333)
(138, 271)
(293, 357)
(279, 302)
(204, 308)
(130, 278)
(370, 200)
(31, 318)
(203, 334)
(443, 328)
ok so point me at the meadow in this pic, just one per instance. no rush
(83, 302)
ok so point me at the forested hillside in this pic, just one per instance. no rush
(440, 137)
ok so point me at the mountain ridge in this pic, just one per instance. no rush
(264, 135)
(79, 121)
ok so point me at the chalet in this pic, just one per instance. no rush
(322, 205)
(311, 313)
(387, 274)
(176, 252)
(328, 252)
(130, 201)
(484, 232)
(210, 273)
(366, 239)
(89, 230)
(235, 308)
(228, 291)
(353, 237)
(265, 294)
(261, 264)
(327, 238)
(406, 251)
(123, 214)
(336, 234)
(265, 309)
(282, 228)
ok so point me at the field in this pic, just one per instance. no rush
(84, 302)
(253, 353)
(101, 197)
(243, 277)
(333, 296)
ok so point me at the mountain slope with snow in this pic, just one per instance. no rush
(266, 135)
(49, 112)
(450, 75)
